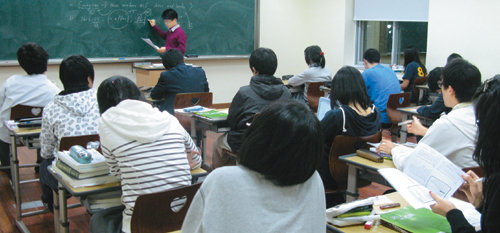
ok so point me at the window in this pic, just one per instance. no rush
(390, 38)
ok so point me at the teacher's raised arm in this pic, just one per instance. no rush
(175, 37)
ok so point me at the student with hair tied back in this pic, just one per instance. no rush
(485, 194)
(275, 187)
(317, 71)
(414, 69)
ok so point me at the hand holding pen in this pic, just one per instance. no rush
(416, 127)
(473, 188)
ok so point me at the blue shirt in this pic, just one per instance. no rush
(381, 82)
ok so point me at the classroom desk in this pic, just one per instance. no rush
(325, 90)
(198, 122)
(15, 135)
(376, 227)
(407, 113)
(360, 166)
(61, 223)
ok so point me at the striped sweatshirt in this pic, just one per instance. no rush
(147, 149)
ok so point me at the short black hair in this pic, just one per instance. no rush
(410, 55)
(433, 78)
(284, 143)
(33, 58)
(75, 71)
(264, 61)
(314, 55)
(348, 86)
(463, 77)
(169, 14)
(114, 90)
(171, 58)
(372, 55)
(487, 109)
(452, 57)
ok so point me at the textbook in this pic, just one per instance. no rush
(98, 162)
(100, 201)
(92, 181)
(212, 115)
(425, 170)
(77, 175)
(421, 220)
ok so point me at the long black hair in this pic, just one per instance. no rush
(348, 86)
(411, 55)
(284, 143)
(314, 55)
(487, 106)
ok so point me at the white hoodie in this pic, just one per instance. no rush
(146, 149)
(453, 135)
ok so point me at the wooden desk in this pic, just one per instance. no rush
(61, 223)
(367, 168)
(421, 90)
(407, 113)
(148, 75)
(376, 227)
(21, 134)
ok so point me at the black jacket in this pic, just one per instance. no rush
(179, 79)
(249, 100)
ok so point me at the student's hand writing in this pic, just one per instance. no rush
(416, 127)
(472, 189)
(386, 146)
(442, 207)
(162, 50)
(152, 22)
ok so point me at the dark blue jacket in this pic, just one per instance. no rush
(179, 79)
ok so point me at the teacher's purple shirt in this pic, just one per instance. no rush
(175, 38)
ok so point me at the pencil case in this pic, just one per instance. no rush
(367, 154)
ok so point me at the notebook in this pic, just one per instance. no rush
(421, 220)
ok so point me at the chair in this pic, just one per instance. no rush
(459, 194)
(343, 145)
(394, 102)
(314, 93)
(153, 212)
(416, 92)
(67, 142)
(24, 111)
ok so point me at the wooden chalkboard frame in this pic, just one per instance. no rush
(104, 60)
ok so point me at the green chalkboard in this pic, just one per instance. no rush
(114, 28)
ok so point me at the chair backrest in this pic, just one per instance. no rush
(153, 212)
(314, 93)
(68, 142)
(418, 81)
(343, 145)
(24, 111)
(395, 101)
(183, 100)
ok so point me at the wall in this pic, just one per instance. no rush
(465, 27)
(286, 26)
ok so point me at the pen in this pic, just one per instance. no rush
(405, 122)
(480, 180)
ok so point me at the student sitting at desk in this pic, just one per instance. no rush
(147, 149)
(73, 112)
(175, 37)
(264, 89)
(356, 116)
(413, 69)
(434, 111)
(179, 78)
(317, 71)
(275, 187)
(380, 83)
(32, 89)
(485, 194)
(454, 134)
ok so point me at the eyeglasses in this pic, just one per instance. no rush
(440, 84)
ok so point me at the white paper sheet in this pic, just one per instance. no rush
(149, 42)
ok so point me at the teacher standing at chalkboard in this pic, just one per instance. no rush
(175, 37)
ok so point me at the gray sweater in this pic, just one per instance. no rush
(236, 199)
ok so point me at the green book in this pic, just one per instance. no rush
(77, 175)
(421, 220)
(212, 114)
